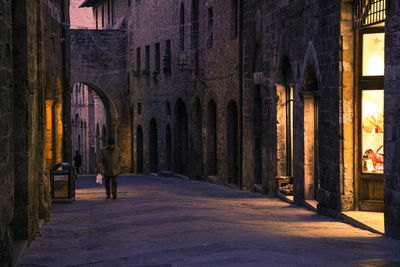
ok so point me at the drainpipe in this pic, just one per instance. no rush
(66, 108)
(241, 93)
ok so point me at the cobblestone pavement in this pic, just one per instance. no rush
(158, 221)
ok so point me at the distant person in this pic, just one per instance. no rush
(77, 161)
(109, 165)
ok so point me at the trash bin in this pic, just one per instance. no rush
(63, 178)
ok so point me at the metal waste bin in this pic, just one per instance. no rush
(63, 178)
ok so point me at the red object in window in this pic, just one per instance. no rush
(376, 157)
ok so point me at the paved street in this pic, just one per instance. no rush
(160, 221)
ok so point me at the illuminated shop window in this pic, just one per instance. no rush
(373, 55)
(372, 131)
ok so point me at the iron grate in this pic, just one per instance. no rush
(368, 12)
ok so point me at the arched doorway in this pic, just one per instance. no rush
(311, 169)
(232, 143)
(198, 140)
(153, 146)
(212, 138)
(139, 149)
(168, 138)
(181, 138)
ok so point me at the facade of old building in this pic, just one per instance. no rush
(184, 71)
(319, 68)
(89, 125)
(34, 70)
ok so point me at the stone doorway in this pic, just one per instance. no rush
(153, 147)
(139, 149)
(311, 166)
(181, 138)
(232, 143)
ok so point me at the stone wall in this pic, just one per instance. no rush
(282, 41)
(6, 141)
(32, 69)
(200, 73)
(98, 59)
(392, 124)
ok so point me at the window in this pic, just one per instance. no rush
(157, 57)
(129, 3)
(371, 95)
(147, 58)
(168, 108)
(138, 67)
(195, 24)
(234, 18)
(210, 32)
(182, 28)
(108, 13)
(139, 108)
(167, 57)
(97, 17)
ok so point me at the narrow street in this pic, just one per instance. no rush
(159, 221)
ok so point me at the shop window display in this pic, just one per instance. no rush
(372, 131)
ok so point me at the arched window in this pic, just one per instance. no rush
(182, 28)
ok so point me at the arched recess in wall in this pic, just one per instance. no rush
(139, 149)
(284, 125)
(212, 168)
(232, 143)
(198, 139)
(109, 106)
(311, 162)
(168, 148)
(181, 137)
(153, 146)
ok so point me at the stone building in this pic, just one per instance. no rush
(89, 125)
(279, 97)
(98, 60)
(34, 69)
(319, 68)
(184, 71)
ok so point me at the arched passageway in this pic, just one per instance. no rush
(153, 146)
(212, 138)
(92, 114)
(181, 138)
(232, 143)
(139, 149)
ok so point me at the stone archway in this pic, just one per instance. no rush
(181, 137)
(108, 80)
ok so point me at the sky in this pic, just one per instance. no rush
(80, 17)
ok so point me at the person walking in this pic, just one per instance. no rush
(109, 162)
(77, 161)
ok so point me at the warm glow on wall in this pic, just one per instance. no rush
(373, 54)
